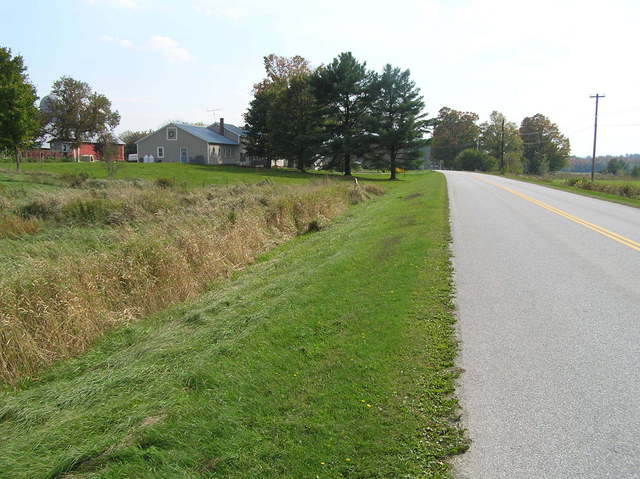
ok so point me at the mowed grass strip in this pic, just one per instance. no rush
(330, 358)
(187, 174)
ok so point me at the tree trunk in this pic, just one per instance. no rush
(300, 165)
(347, 164)
(392, 163)
(17, 159)
(267, 163)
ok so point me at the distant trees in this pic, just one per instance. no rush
(545, 148)
(500, 139)
(536, 147)
(19, 116)
(130, 137)
(617, 166)
(75, 113)
(454, 132)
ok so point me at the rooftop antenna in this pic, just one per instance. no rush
(213, 112)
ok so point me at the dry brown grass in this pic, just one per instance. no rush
(12, 226)
(172, 244)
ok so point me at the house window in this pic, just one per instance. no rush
(172, 133)
(160, 152)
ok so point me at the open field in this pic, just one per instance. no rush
(619, 190)
(331, 357)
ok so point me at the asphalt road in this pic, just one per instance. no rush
(549, 323)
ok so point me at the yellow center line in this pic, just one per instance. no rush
(598, 229)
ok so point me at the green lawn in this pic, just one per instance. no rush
(194, 175)
(332, 357)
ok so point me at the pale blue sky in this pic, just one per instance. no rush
(161, 60)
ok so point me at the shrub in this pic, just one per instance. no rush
(474, 160)
(74, 180)
(165, 182)
(314, 226)
(41, 208)
(373, 189)
(572, 181)
(87, 211)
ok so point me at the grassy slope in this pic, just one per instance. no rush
(332, 357)
(558, 184)
(195, 175)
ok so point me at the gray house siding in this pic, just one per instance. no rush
(197, 151)
(203, 145)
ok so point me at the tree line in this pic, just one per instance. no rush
(535, 147)
(328, 116)
(334, 114)
(73, 112)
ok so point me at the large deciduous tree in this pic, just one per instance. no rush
(545, 148)
(74, 113)
(280, 69)
(397, 118)
(500, 139)
(342, 88)
(454, 132)
(19, 117)
(276, 98)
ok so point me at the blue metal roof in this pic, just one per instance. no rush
(205, 134)
(228, 126)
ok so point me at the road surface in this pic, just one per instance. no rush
(548, 296)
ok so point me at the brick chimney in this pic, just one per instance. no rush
(222, 126)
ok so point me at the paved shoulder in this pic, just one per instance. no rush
(548, 294)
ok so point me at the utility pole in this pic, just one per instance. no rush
(502, 148)
(597, 96)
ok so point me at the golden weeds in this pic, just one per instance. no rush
(55, 308)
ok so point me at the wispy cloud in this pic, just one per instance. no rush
(169, 48)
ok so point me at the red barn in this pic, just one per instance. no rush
(41, 153)
(86, 151)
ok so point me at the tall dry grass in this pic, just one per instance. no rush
(171, 245)
(12, 226)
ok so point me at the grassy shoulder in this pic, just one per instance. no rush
(331, 357)
(560, 185)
